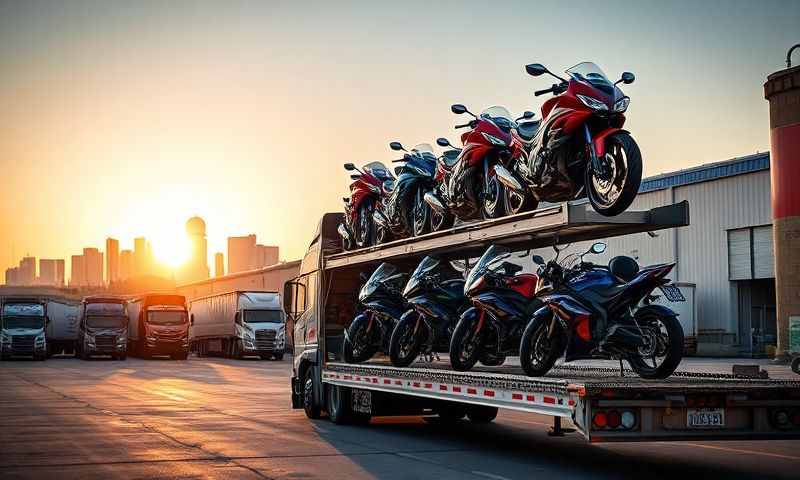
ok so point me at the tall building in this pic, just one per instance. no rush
(125, 264)
(77, 277)
(60, 272)
(27, 271)
(93, 265)
(245, 254)
(219, 264)
(140, 261)
(48, 272)
(112, 260)
(196, 268)
(11, 276)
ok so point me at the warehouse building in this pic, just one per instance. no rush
(726, 252)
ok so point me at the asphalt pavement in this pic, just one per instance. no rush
(216, 418)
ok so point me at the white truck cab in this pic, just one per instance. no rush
(24, 328)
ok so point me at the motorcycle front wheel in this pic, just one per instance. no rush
(466, 345)
(492, 197)
(539, 349)
(359, 345)
(366, 226)
(420, 215)
(663, 348)
(612, 189)
(407, 340)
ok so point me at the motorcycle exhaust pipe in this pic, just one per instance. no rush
(507, 178)
(434, 202)
(380, 218)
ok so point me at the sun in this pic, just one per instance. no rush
(171, 248)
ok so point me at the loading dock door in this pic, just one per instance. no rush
(750, 254)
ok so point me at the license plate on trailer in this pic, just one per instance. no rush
(673, 293)
(705, 418)
(361, 400)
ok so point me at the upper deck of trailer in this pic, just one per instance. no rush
(561, 223)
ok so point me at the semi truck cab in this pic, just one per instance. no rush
(159, 325)
(261, 325)
(103, 328)
(24, 324)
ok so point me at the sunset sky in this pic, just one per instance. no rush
(126, 118)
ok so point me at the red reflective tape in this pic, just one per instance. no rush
(549, 400)
(571, 403)
(472, 391)
(416, 384)
(358, 379)
(516, 396)
(398, 382)
(531, 398)
(348, 377)
(428, 385)
(489, 393)
(457, 389)
(443, 387)
(386, 381)
(374, 380)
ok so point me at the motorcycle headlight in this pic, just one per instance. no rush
(592, 103)
(494, 140)
(476, 285)
(374, 188)
(622, 104)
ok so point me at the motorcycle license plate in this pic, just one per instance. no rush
(673, 293)
(705, 418)
(361, 400)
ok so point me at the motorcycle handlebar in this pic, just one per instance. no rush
(542, 92)
(464, 125)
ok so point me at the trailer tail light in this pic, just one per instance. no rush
(785, 419)
(619, 420)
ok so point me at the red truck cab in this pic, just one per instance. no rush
(159, 325)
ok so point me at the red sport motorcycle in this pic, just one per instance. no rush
(579, 147)
(468, 184)
(358, 229)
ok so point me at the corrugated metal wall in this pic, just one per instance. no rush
(702, 248)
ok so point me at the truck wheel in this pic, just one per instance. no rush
(796, 365)
(481, 414)
(278, 356)
(180, 356)
(451, 412)
(311, 408)
(123, 357)
(339, 406)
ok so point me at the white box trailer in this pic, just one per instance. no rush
(237, 324)
(62, 326)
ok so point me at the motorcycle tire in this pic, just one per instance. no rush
(404, 328)
(352, 352)
(441, 221)
(462, 335)
(537, 365)
(493, 359)
(620, 142)
(673, 349)
(492, 208)
(419, 215)
(366, 226)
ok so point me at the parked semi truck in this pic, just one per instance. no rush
(603, 404)
(103, 327)
(238, 324)
(158, 324)
(24, 328)
(62, 326)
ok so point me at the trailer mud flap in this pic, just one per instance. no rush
(361, 401)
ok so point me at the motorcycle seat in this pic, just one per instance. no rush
(387, 187)
(450, 158)
(527, 130)
(624, 268)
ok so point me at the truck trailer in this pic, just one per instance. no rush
(62, 326)
(103, 327)
(602, 404)
(24, 327)
(238, 324)
(158, 324)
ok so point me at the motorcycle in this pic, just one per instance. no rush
(503, 302)
(435, 291)
(578, 148)
(469, 185)
(594, 311)
(358, 228)
(382, 305)
(403, 212)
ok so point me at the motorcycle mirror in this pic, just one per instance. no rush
(627, 78)
(598, 248)
(526, 115)
(355, 177)
(538, 260)
(458, 109)
(396, 146)
(443, 142)
(349, 167)
(535, 69)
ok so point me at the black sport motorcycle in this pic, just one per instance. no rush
(382, 305)
(403, 212)
(503, 300)
(435, 291)
(594, 311)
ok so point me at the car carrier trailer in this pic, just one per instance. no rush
(603, 404)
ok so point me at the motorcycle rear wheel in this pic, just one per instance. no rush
(538, 350)
(671, 347)
(358, 346)
(612, 192)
